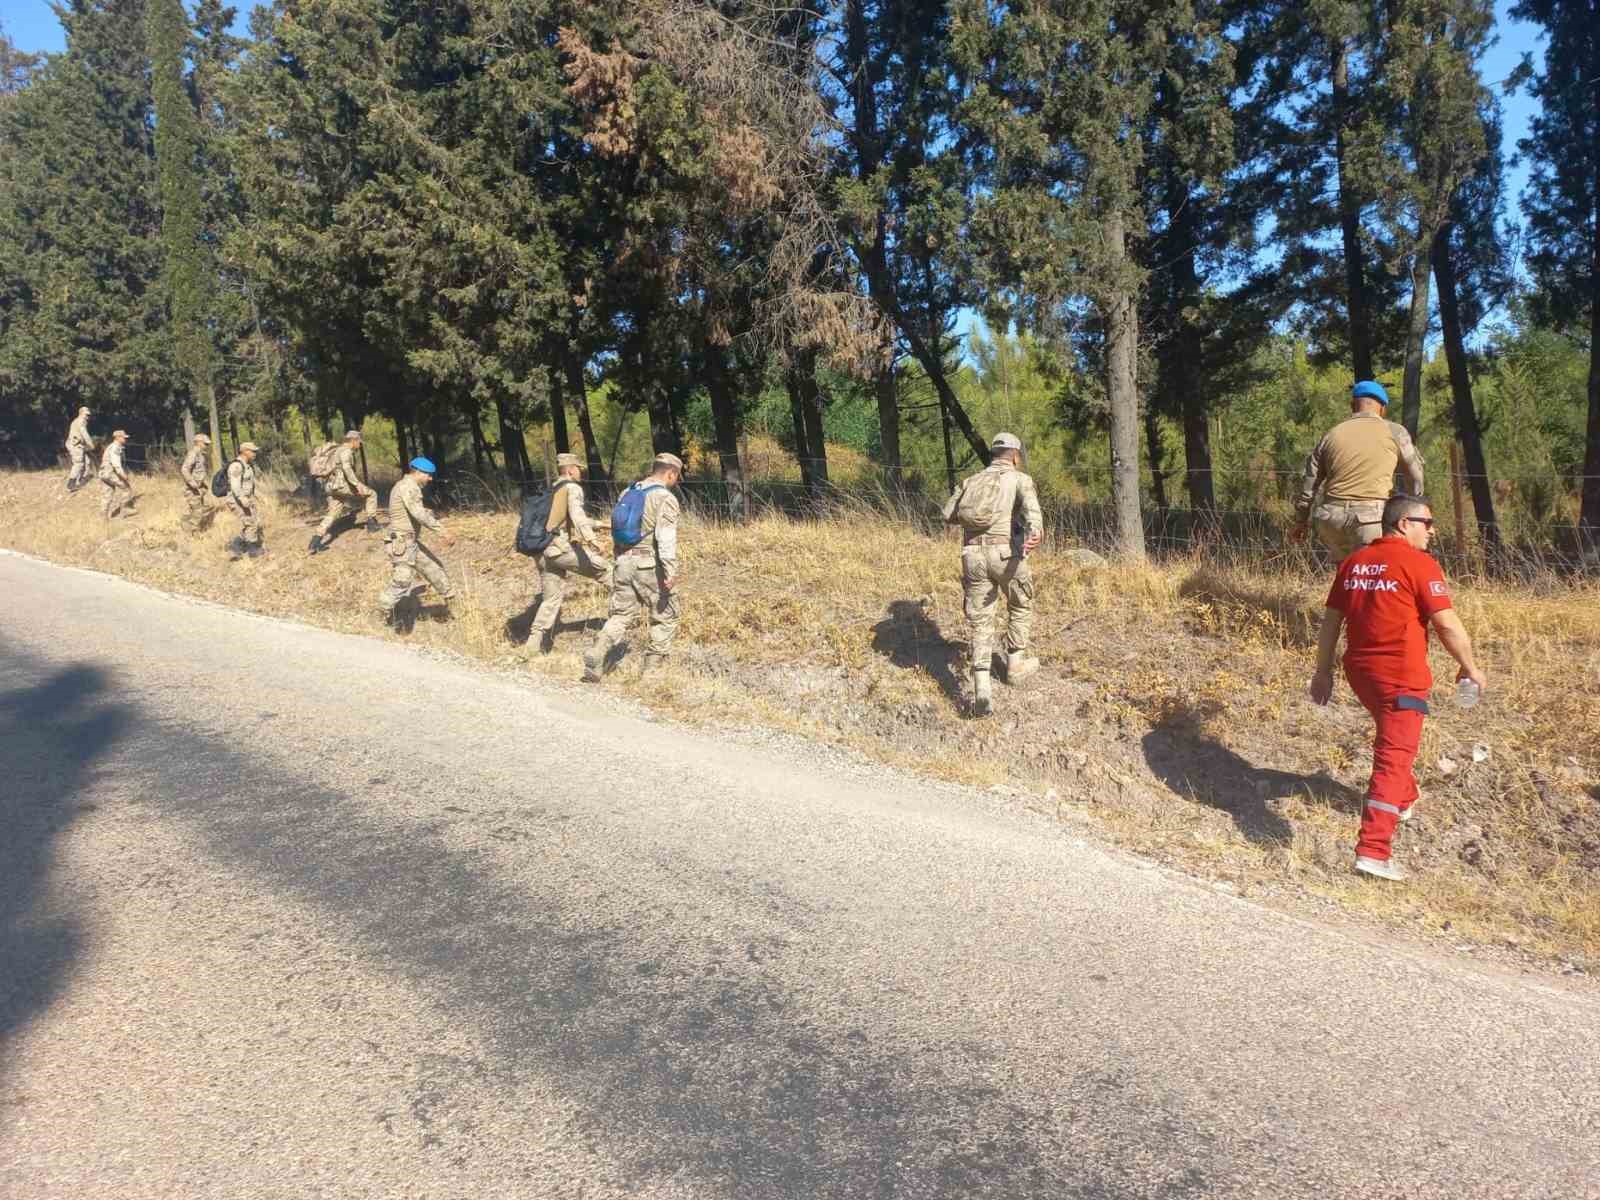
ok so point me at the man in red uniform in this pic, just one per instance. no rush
(1388, 594)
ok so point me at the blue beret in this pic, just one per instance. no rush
(1368, 387)
(424, 464)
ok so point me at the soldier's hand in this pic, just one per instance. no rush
(1031, 542)
(670, 582)
(1297, 532)
(1322, 687)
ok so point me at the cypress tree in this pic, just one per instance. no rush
(187, 267)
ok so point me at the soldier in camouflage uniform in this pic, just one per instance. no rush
(196, 475)
(242, 499)
(574, 549)
(1353, 469)
(347, 495)
(408, 557)
(998, 513)
(646, 574)
(114, 475)
(80, 444)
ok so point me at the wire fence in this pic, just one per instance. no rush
(1533, 552)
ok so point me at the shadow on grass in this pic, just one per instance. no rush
(1239, 601)
(909, 639)
(1200, 768)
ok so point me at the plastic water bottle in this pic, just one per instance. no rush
(1467, 693)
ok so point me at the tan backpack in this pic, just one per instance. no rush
(324, 461)
(983, 501)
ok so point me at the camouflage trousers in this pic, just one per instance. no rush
(409, 558)
(78, 473)
(1344, 526)
(635, 587)
(199, 510)
(249, 526)
(559, 561)
(987, 574)
(340, 504)
(117, 494)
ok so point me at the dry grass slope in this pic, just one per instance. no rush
(1171, 713)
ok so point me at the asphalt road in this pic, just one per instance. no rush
(285, 913)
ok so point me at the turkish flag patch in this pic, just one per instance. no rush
(1437, 588)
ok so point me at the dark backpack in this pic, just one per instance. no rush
(533, 534)
(627, 518)
(219, 481)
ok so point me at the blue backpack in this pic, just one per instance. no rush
(627, 518)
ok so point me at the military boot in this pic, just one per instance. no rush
(372, 525)
(255, 549)
(982, 700)
(547, 641)
(315, 544)
(235, 549)
(593, 659)
(1019, 665)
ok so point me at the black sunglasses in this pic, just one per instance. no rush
(1428, 521)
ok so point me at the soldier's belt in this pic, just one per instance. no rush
(641, 551)
(988, 539)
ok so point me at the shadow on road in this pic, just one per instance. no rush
(742, 1076)
(53, 726)
(1202, 769)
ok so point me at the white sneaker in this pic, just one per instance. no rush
(1411, 808)
(1380, 868)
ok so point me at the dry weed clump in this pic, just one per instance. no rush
(1171, 713)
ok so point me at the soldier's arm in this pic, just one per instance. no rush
(1309, 483)
(950, 506)
(235, 480)
(347, 467)
(1032, 514)
(666, 534)
(1410, 459)
(419, 512)
(578, 515)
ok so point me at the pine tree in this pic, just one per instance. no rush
(1562, 201)
(81, 315)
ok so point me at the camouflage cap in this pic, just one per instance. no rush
(200, 437)
(667, 460)
(84, 411)
(1006, 441)
(120, 433)
(248, 446)
(568, 460)
(352, 434)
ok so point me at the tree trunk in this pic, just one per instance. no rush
(1466, 413)
(188, 427)
(725, 419)
(480, 447)
(811, 414)
(1416, 335)
(1157, 454)
(402, 443)
(1184, 366)
(1122, 393)
(208, 397)
(1589, 512)
(933, 366)
(511, 445)
(558, 414)
(1357, 304)
(886, 385)
(577, 390)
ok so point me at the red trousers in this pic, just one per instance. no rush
(1393, 788)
